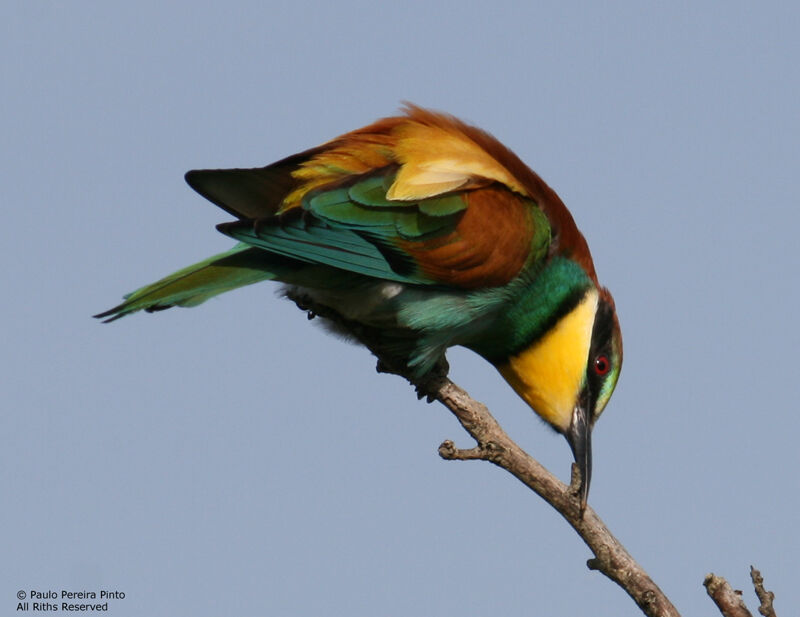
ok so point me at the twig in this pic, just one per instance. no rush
(728, 601)
(764, 596)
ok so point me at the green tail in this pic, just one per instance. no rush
(242, 265)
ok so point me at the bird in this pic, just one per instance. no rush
(429, 233)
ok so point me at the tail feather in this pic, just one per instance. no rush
(240, 266)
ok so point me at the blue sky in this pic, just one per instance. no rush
(234, 459)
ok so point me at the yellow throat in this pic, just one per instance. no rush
(548, 375)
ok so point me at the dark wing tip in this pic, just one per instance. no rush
(229, 227)
(245, 193)
(252, 193)
(207, 181)
(193, 178)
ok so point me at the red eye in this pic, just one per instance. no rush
(601, 365)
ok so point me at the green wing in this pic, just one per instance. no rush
(477, 238)
(357, 229)
(473, 239)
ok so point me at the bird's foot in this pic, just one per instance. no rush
(431, 381)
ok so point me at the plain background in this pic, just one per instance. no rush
(234, 459)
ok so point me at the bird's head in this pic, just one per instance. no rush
(569, 373)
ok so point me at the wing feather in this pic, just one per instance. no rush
(421, 198)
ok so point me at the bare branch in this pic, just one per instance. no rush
(495, 446)
(728, 601)
(764, 596)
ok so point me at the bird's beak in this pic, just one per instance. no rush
(579, 436)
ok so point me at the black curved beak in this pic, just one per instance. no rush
(579, 436)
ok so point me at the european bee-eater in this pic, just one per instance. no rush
(430, 233)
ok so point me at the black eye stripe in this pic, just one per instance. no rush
(600, 349)
(603, 326)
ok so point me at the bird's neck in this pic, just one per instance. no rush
(537, 305)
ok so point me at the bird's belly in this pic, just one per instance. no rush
(369, 303)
